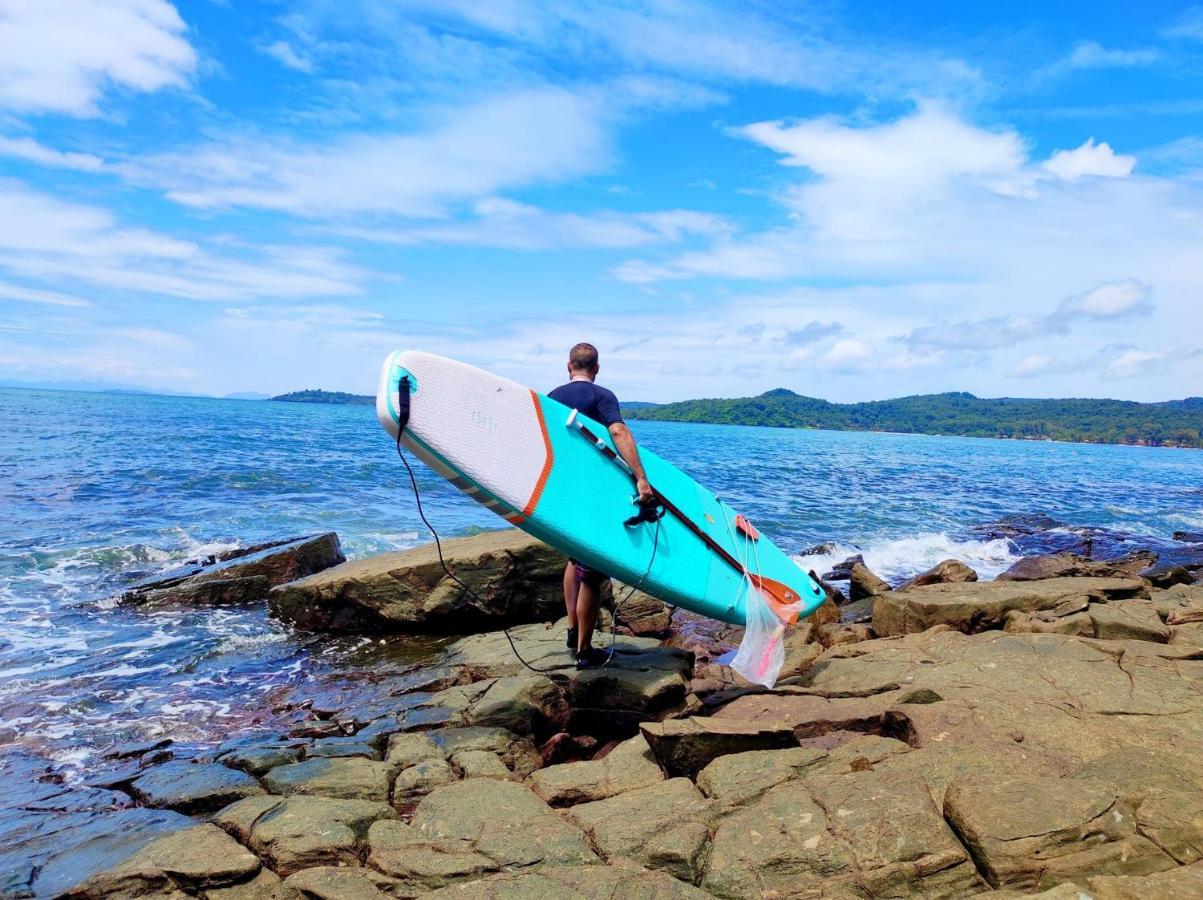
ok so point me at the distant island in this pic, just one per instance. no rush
(1174, 423)
(330, 397)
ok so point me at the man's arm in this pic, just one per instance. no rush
(624, 443)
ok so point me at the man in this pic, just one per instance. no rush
(582, 585)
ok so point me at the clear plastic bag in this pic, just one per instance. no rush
(761, 652)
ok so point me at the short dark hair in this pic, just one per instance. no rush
(582, 357)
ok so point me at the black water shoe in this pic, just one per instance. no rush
(591, 658)
(572, 637)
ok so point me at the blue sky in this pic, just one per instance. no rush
(854, 201)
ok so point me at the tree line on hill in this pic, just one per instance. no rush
(1175, 423)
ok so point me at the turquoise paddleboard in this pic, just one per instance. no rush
(544, 469)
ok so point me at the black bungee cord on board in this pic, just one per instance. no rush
(403, 395)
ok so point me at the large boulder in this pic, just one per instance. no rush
(950, 571)
(1074, 565)
(663, 826)
(863, 583)
(351, 778)
(512, 577)
(642, 680)
(857, 834)
(981, 605)
(686, 746)
(240, 576)
(628, 766)
(1034, 833)
(193, 788)
(469, 829)
(295, 833)
(201, 858)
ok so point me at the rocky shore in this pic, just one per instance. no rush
(1035, 735)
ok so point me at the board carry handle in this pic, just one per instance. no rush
(781, 598)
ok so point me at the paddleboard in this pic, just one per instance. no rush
(524, 456)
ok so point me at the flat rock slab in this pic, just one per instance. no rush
(664, 826)
(1036, 833)
(575, 883)
(341, 883)
(297, 833)
(981, 605)
(686, 746)
(198, 858)
(473, 828)
(47, 851)
(241, 576)
(736, 779)
(809, 715)
(860, 834)
(349, 778)
(1137, 620)
(628, 766)
(193, 788)
(516, 577)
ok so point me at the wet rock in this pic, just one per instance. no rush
(522, 704)
(860, 834)
(686, 746)
(628, 766)
(576, 882)
(342, 883)
(1035, 833)
(136, 749)
(824, 549)
(843, 571)
(863, 583)
(346, 779)
(338, 747)
(243, 578)
(981, 605)
(1073, 565)
(517, 578)
(642, 681)
(1189, 537)
(950, 571)
(445, 842)
(1166, 575)
(258, 759)
(295, 833)
(193, 788)
(192, 859)
(664, 826)
(56, 840)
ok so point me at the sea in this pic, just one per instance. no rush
(100, 490)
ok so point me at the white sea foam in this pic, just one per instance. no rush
(900, 558)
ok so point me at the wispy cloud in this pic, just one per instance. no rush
(29, 150)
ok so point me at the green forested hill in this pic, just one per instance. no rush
(1173, 423)
(319, 396)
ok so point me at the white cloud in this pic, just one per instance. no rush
(1089, 159)
(498, 222)
(1188, 25)
(1091, 55)
(63, 55)
(45, 239)
(1037, 364)
(847, 354)
(1134, 363)
(33, 295)
(1110, 300)
(529, 137)
(283, 53)
(29, 150)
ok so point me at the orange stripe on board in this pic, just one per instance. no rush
(547, 461)
(515, 519)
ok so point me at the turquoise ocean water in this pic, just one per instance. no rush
(99, 490)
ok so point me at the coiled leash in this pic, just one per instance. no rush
(403, 413)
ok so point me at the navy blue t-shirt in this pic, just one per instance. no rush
(589, 399)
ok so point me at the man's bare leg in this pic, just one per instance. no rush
(570, 591)
(587, 601)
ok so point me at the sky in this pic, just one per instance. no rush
(853, 201)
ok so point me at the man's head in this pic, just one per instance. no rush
(582, 360)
